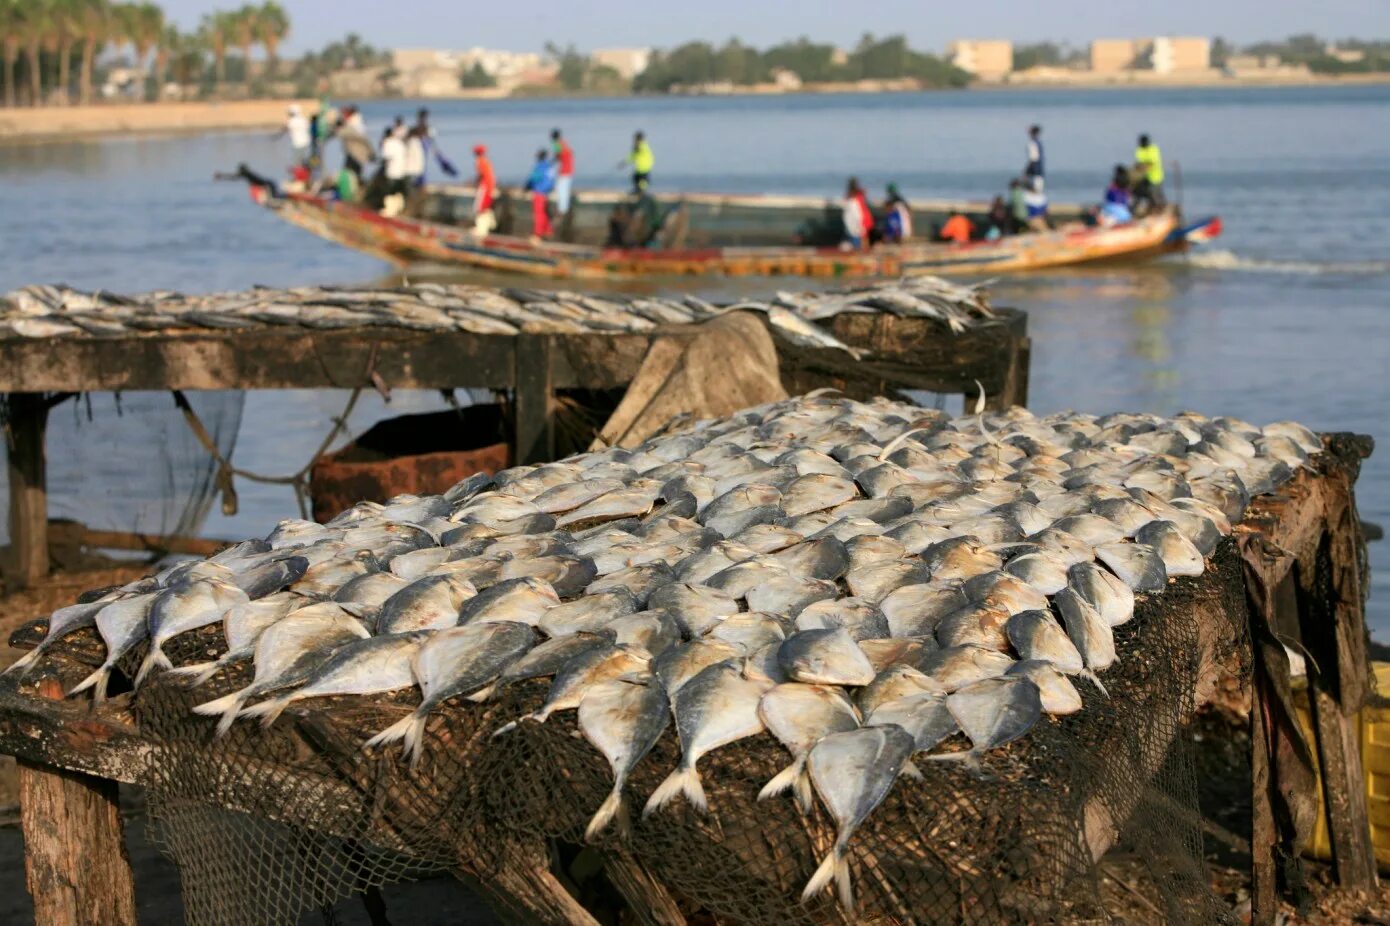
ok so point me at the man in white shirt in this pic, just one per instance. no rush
(297, 127)
(393, 166)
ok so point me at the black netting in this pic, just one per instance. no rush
(267, 824)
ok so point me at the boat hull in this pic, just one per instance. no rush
(405, 241)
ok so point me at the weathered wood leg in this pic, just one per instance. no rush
(28, 420)
(533, 411)
(75, 862)
(1263, 833)
(521, 887)
(648, 900)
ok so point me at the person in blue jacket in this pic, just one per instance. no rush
(540, 184)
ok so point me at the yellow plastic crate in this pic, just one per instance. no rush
(1374, 734)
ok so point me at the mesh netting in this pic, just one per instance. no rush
(267, 824)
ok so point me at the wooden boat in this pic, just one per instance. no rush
(708, 234)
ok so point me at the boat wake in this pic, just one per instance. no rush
(1219, 259)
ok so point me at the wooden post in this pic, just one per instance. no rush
(647, 898)
(75, 862)
(28, 419)
(1263, 833)
(533, 414)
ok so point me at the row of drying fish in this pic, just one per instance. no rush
(55, 311)
(868, 583)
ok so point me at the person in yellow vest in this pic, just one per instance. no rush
(641, 160)
(1148, 171)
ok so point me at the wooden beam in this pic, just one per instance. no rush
(75, 861)
(1264, 899)
(27, 424)
(72, 533)
(533, 403)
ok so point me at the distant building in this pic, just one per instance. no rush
(628, 62)
(1110, 56)
(1346, 55)
(784, 79)
(990, 59)
(839, 57)
(1180, 54)
(1251, 62)
(509, 68)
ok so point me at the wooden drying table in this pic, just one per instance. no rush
(37, 373)
(1297, 558)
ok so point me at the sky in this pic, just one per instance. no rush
(929, 24)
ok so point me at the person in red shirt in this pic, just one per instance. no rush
(485, 184)
(564, 159)
(958, 228)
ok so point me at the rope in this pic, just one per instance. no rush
(299, 479)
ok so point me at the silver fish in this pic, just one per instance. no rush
(717, 707)
(680, 664)
(1037, 635)
(652, 632)
(915, 610)
(521, 600)
(827, 657)
(853, 772)
(697, 608)
(1056, 693)
(955, 667)
(1088, 630)
(799, 715)
(923, 715)
(751, 630)
(430, 603)
(1138, 565)
(579, 674)
(1180, 557)
(623, 720)
(242, 626)
(824, 558)
(875, 581)
(994, 712)
(61, 623)
(122, 624)
(817, 492)
(452, 662)
(861, 619)
(1104, 591)
(974, 624)
(788, 594)
(285, 654)
(589, 614)
(183, 608)
(369, 666)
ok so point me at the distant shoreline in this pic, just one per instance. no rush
(106, 121)
(95, 123)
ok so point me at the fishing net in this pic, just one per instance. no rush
(266, 825)
(128, 463)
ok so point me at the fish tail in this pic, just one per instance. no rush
(410, 730)
(843, 885)
(825, 874)
(805, 797)
(782, 781)
(267, 710)
(910, 770)
(611, 809)
(197, 672)
(96, 682)
(155, 659)
(1094, 679)
(21, 666)
(509, 727)
(684, 780)
(224, 708)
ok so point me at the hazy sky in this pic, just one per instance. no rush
(525, 25)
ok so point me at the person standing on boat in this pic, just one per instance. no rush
(485, 192)
(1148, 165)
(857, 217)
(301, 137)
(1034, 167)
(1035, 199)
(641, 160)
(430, 140)
(540, 184)
(394, 159)
(357, 147)
(897, 218)
(564, 180)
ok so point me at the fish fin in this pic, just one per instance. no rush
(482, 694)
(980, 401)
(224, 708)
(97, 682)
(823, 876)
(155, 659)
(268, 711)
(509, 727)
(197, 672)
(684, 780)
(410, 729)
(969, 758)
(910, 770)
(21, 666)
(805, 797)
(612, 809)
(1094, 679)
(782, 781)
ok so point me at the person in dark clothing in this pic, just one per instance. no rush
(1034, 166)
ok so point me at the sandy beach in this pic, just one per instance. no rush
(20, 126)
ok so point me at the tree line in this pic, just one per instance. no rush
(812, 62)
(41, 40)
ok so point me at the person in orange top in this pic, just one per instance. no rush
(957, 228)
(485, 183)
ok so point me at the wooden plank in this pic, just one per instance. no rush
(75, 861)
(71, 533)
(533, 401)
(28, 421)
(647, 898)
(1263, 834)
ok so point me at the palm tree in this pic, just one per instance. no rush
(11, 24)
(34, 26)
(96, 23)
(169, 45)
(65, 26)
(215, 32)
(272, 25)
(246, 28)
(144, 28)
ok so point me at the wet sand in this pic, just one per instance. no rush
(66, 123)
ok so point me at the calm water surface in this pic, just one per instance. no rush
(1286, 316)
